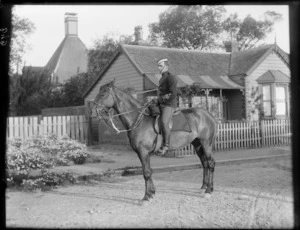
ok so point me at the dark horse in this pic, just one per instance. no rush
(144, 140)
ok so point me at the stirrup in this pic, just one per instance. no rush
(163, 150)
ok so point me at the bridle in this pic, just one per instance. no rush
(99, 108)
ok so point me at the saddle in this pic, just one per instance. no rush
(178, 122)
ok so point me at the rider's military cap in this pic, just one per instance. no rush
(161, 60)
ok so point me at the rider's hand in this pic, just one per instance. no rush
(154, 100)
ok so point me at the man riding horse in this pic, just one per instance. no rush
(167, 101)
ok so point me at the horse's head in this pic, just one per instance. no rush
(105, 97)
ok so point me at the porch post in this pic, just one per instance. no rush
(221, 104)
(206, 91)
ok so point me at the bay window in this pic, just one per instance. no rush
(274, 86)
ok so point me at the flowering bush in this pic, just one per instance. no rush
(41, 152)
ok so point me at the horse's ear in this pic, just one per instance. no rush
(112, 83)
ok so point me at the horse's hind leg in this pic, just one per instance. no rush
(200, 152)
(147, 173)
(210, 161)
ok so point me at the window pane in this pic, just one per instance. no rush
(280, 93)
(267, 108)
(280, 108)
(266, 92)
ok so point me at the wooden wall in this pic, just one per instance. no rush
(125, 74)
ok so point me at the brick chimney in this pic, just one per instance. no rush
(71, 26)
(138, 33)
(231, 46)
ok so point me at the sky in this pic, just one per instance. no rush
(94, 21)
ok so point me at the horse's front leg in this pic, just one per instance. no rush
(147, 173)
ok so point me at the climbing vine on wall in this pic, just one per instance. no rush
(255, 103)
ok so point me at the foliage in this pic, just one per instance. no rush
(21, 29)
(46, 180)
(32, 92)
(189, 90)
(41, 152)
(188, 27)
(249, 32)
(29, 93)
(254, 103)
(197, 27)
(74, 88)
(104, 48)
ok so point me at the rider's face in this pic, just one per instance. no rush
(162, 67)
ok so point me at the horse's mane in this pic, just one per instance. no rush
(130, 97)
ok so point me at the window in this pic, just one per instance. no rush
(276, 95)
(281, 103)
(267, 100)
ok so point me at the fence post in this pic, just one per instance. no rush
(88, 119)
(262, 132)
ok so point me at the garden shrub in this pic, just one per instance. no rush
(41, 152)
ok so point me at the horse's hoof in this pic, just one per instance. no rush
(202, 190)
(207, 196)
(145, 202)
(147, 198)
(203, 187)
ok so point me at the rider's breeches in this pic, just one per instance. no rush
(166, 116)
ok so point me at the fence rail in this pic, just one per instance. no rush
(23, 127)
(240, 135)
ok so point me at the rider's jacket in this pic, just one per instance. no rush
(167, 90)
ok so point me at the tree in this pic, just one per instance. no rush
(103, 50)
(74, 88)
(249, 32)
(29, 93)
(21, 29)
(188, 27)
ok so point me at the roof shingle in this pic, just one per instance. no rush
(243, 60)
(273, 76)
(182, 62)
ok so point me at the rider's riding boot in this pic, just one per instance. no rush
(166, 140)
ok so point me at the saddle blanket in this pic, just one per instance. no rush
(178, 123)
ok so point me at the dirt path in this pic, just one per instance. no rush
(239, 201)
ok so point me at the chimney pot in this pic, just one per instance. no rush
(138, 33)
(231, 46)
(71, 26)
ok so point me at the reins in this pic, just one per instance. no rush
(110, 116)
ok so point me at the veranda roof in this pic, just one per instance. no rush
(205, 82)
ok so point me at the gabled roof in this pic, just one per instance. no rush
(243, 62)
(273, 76)
(67, 52)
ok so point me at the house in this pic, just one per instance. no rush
(232, 81)
(71, 56)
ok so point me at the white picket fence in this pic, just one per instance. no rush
(230, 136)
(23, 127)
(240, 135)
